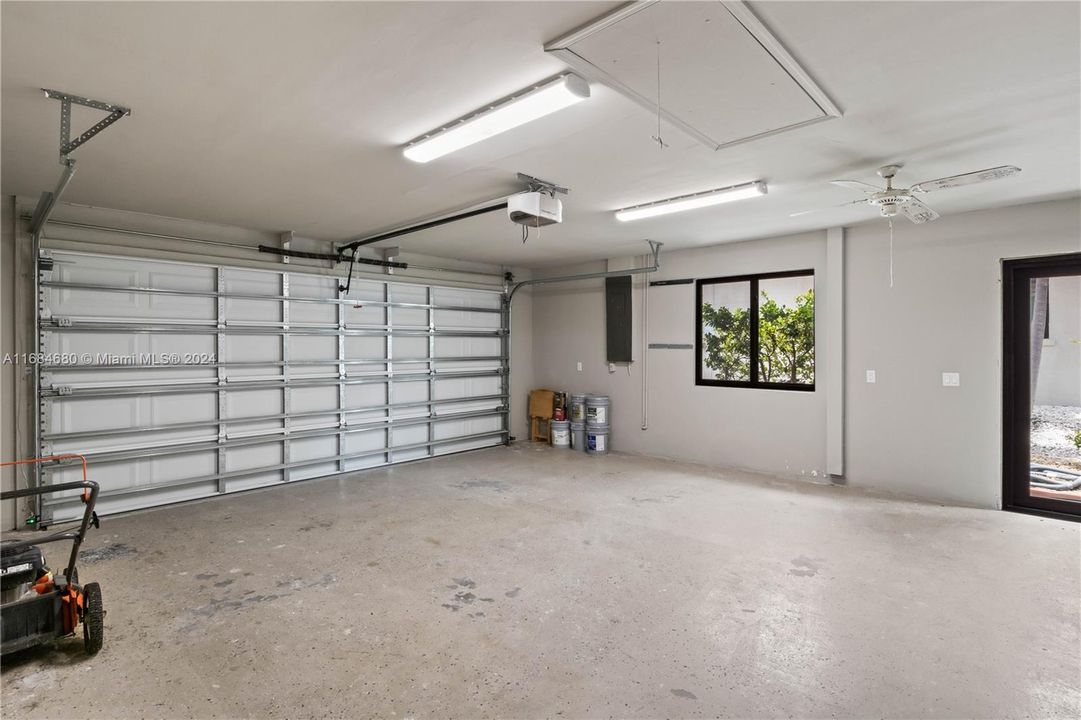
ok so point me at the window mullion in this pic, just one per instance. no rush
(754, 331)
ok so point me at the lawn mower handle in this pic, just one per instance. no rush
(89, 497)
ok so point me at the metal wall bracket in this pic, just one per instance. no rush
(48, 200)
(67, 145)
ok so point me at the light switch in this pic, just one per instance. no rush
(951, 379)
(579, 367)
(870, 376)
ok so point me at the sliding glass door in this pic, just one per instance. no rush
(1042, 384)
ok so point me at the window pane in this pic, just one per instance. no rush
(726, 331)
(786, 330)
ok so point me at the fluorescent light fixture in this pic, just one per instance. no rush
(532, 103)
(693, 201)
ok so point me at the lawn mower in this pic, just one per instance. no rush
(36, 604)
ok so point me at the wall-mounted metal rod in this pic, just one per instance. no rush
(354, 244)
(655, 249)
(245, 419)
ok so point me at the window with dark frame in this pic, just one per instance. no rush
(756, 331)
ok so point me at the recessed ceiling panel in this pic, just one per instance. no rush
(722, 77)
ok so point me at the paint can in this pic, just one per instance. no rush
(578, 409)
(578, 435)
(597, 439)
(560, 432)
(597, 407)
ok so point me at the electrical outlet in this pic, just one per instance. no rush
(870, 376)
(951, 379)
(579, 367)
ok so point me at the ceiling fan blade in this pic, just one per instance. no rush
(917, 212)
(857, 185)
(967, 179)
(832, 207)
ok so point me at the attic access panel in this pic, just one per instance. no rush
(725, 79)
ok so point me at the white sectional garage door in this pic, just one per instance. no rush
(180, 381)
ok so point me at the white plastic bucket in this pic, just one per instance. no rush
(597, 439)
(560, 432)
(597, 407)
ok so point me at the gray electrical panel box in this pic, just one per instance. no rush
(617, 317)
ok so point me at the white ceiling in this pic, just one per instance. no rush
(286, 116)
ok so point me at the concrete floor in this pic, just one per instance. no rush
(530, 582)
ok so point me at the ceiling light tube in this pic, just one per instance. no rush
(532, 103)
(693, 201)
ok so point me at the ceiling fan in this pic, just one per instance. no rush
(892, 201)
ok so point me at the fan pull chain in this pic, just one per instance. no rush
(891, 252)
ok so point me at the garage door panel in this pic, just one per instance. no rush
(361, 290)
(410, 347)
(251, 403)
(407, 317)
(410, 392)
(360, 347)
(359, 314)
(470, 320)
(188, 407)
(463, 297)
(306, 313)
(254, 456)
(89, 414)
(251, 348)
(467, 347)
(308, 347)
(248, 404)
(313, 399)
(365, 396)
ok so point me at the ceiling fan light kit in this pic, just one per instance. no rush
(693, 201)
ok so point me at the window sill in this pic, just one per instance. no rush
(797, 387)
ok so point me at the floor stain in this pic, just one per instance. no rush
(804, 567)
(684, 694)
(205, 576)
(106, 552)
(464, 582)
(495, 485)
(513, 593)
(321, 525)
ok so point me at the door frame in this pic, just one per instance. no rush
(1016, 392)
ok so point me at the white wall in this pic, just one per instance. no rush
(771, 430)
(906, 433)
(7, 346)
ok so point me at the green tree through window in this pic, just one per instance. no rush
(782, 350)
(786, 339)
